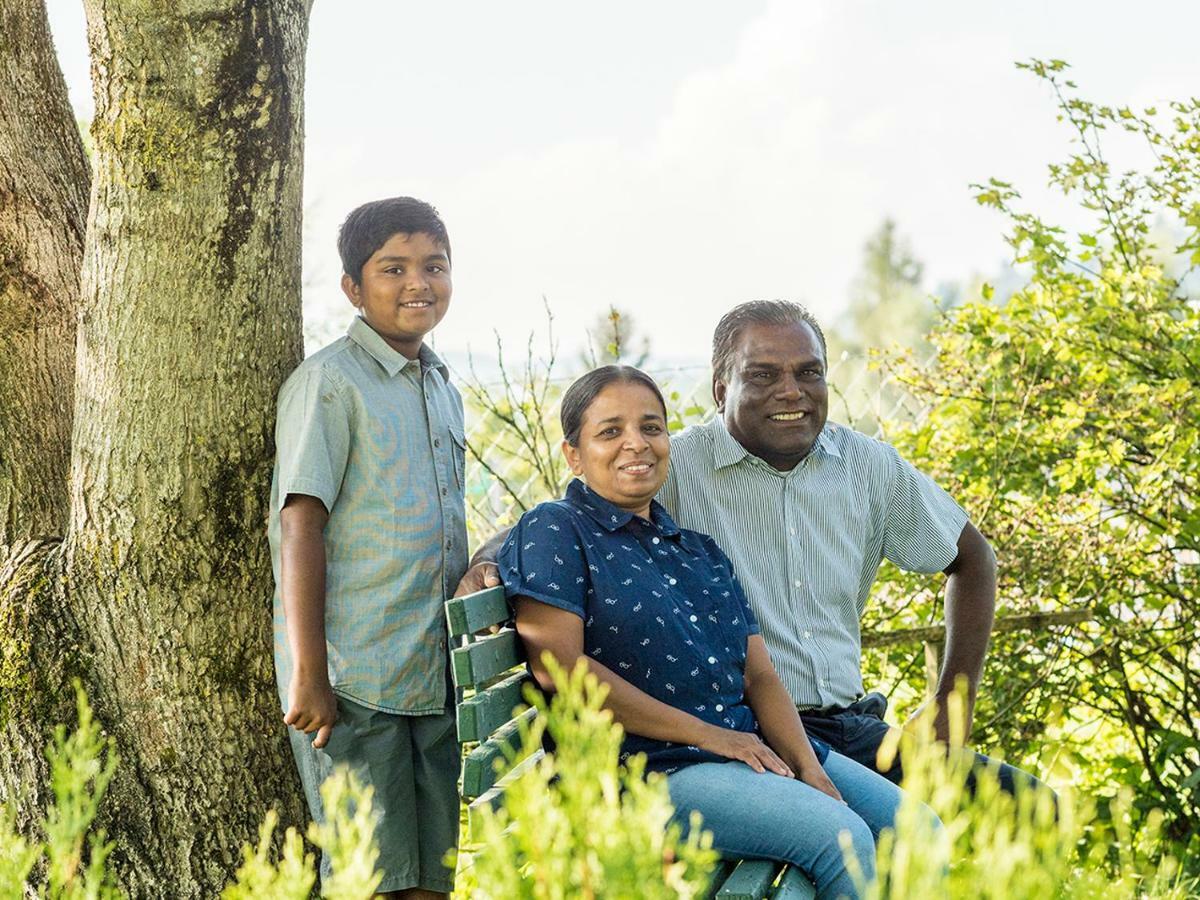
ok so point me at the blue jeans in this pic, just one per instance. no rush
(769, 816)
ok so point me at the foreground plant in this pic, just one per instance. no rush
(995, 845)
(579, 824)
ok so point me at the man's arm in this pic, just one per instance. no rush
(970, 609)
(311, 704)
(483, 572)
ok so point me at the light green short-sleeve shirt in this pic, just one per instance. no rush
(807, 543)
(378, 439)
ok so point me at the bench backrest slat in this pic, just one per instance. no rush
(474, 612)
(479, 768)
(486, 658)
(480, 715)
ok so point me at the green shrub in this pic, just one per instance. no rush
(578, 824)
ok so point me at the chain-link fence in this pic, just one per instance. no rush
(513, 432)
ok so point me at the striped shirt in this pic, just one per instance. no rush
(378, 439)
(808, 543)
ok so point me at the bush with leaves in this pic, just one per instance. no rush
(1066, 421)
(578, 824)
(72, 862)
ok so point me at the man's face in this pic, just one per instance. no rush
(774, 399)
(404, 290)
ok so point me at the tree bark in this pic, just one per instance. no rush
(190, 322)
(159, 598)
(43, 207)
(44, 179)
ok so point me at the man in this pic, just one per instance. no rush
(807, 510)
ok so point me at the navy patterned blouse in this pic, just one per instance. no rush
(661, 607)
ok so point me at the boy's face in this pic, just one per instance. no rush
(404, 291)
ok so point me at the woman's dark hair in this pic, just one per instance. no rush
(579, 396)
(372, 225)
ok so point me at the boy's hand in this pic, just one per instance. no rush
(312, 707)
(479, 576)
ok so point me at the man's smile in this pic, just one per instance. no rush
(788, 416)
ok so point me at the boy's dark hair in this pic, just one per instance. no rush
(757, 312)
(583, 391)
(370, 226)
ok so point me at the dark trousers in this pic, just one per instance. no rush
(857, 731)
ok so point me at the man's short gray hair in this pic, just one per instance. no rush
(756, 312)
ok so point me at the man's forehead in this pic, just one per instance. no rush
(778, 343)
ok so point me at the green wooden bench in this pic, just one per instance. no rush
(489, 673)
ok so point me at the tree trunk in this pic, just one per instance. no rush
(43, 209)
(189, 321)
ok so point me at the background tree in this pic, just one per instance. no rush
(141, 566)
(1066, 419)
(613, 339)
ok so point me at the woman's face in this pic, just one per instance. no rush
(623, 446)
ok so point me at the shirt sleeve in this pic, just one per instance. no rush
(312, 436)
(543, 558)
(923, 522)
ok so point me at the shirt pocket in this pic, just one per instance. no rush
(458, 449)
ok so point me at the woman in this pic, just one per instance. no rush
(657, 612)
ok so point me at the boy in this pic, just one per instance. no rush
(368, 539)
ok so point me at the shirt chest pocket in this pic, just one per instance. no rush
(458, 450)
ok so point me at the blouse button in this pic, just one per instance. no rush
(654, 540)
(719, 708)
(670, 581)
(712, 660)
(693, 618)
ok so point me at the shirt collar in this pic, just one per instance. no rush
(611, 517)
(390, 359)
(727, 451)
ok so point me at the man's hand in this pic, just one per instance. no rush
(818, 778)
(480, 576)
(941, 719)
(312, 707)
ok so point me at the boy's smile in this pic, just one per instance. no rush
(404, 291)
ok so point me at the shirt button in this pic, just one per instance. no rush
(437, 442)
(654, 540)
(670, 581)
(808, 634)
(693, 618)
(798, 583)
(449, 544)
(444, 492)
(792, 531)
(719, 708)
(712, 660)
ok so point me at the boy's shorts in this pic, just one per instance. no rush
(412, 762)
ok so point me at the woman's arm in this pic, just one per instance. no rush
(778, 718)
(543, 628)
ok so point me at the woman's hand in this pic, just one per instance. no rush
(746, 747)
(816, 777)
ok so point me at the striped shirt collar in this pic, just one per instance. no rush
(611, 517)
(728, 452)
(390, 359)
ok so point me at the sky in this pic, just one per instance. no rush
(677, 157)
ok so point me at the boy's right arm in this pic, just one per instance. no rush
(311, 703)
